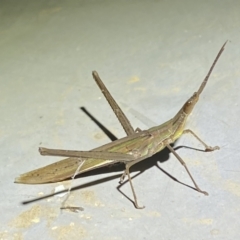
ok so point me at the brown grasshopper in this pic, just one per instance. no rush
(135, 147)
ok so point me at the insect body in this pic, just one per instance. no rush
(135, 147)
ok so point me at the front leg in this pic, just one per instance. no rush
(207, 147)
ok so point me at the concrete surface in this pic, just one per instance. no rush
(152, 55)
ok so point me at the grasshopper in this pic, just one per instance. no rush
(135, 147)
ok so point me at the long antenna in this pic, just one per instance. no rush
(210, 70)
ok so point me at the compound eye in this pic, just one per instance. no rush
(188, 103)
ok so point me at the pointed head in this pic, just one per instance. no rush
(189, 105)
